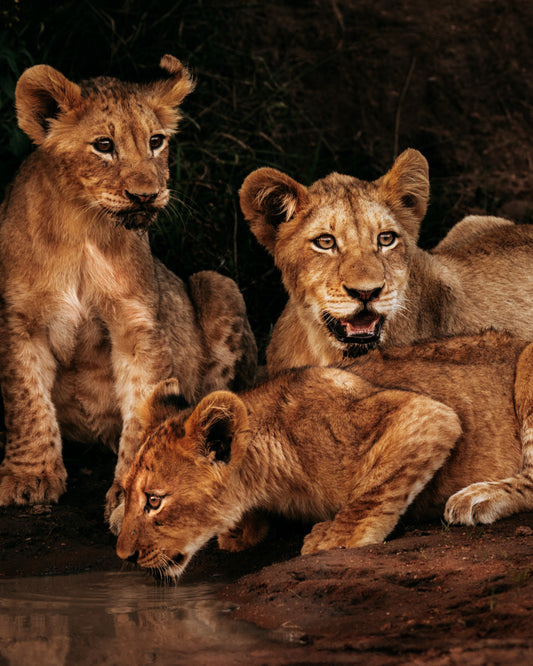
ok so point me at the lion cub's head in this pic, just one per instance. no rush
(107, 141)
(342, 245)
(179, 490)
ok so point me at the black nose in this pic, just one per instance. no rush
(365, 296)
(141, 198)
(133, 557)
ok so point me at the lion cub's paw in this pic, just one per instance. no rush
(251, 529)
(482, 502)
(319, 538)
(116, 518)
(44, 488)
(114, 507)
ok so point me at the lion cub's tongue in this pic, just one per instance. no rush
(363, 324)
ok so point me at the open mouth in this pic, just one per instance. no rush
(362, 328)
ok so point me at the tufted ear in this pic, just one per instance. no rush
(42, 94)
(217, 427)
(405, 188)
(168, 93)
(164, 402)
(269, 198)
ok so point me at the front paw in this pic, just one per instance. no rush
(482, 502)
(114, 507)
(20, 487)
(317, 539)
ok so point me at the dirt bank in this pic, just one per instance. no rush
(431, 595)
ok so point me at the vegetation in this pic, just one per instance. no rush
(307, 86)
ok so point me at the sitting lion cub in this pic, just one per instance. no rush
(348, 255)
(90, 320)
(439, 422)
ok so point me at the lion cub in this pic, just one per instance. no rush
(90, 320)
(433, 425)
(356, 279)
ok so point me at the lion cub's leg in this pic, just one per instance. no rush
(249, 531)
(420, 435)
(32, 471)
(139, 361)
(488, 501)
(231, 352)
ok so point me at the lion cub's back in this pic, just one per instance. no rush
(475, 375)
(493, 269)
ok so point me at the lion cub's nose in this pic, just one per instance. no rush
(141, 198)
(127, 556)
(365, 296)
(125, 551)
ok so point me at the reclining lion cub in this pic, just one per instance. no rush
(91, 321)
(348, 255)
(447, 423)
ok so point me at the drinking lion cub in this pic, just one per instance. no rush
(91, 321)
(447, 422)
(356, 279)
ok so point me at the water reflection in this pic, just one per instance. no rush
(116, 618)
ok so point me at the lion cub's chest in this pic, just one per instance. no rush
(89, 297)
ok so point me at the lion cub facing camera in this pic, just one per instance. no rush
(356, 279)
(427, 427)
(90, 320)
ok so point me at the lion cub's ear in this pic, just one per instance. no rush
(405, 189)
(269, 198)
(168, 93)
(41, 95)
(165, 402)
(218, 426)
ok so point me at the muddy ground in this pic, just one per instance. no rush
(432, 594)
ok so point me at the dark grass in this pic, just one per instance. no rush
(307, 87)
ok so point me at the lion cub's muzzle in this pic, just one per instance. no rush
(140, 209)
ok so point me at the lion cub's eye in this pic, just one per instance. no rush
(153, 502)
(325, 242)
(156, 141)
(387, 238)
(104, 145)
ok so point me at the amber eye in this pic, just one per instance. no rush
(156, 141)
(104, 145)
(325, 242)
(387, 238)
(153, 502)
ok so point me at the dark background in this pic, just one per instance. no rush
(307, 87)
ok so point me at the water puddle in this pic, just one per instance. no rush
(119, 619)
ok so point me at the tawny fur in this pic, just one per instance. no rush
(90, 320)
(353, 448)
(356, 279)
